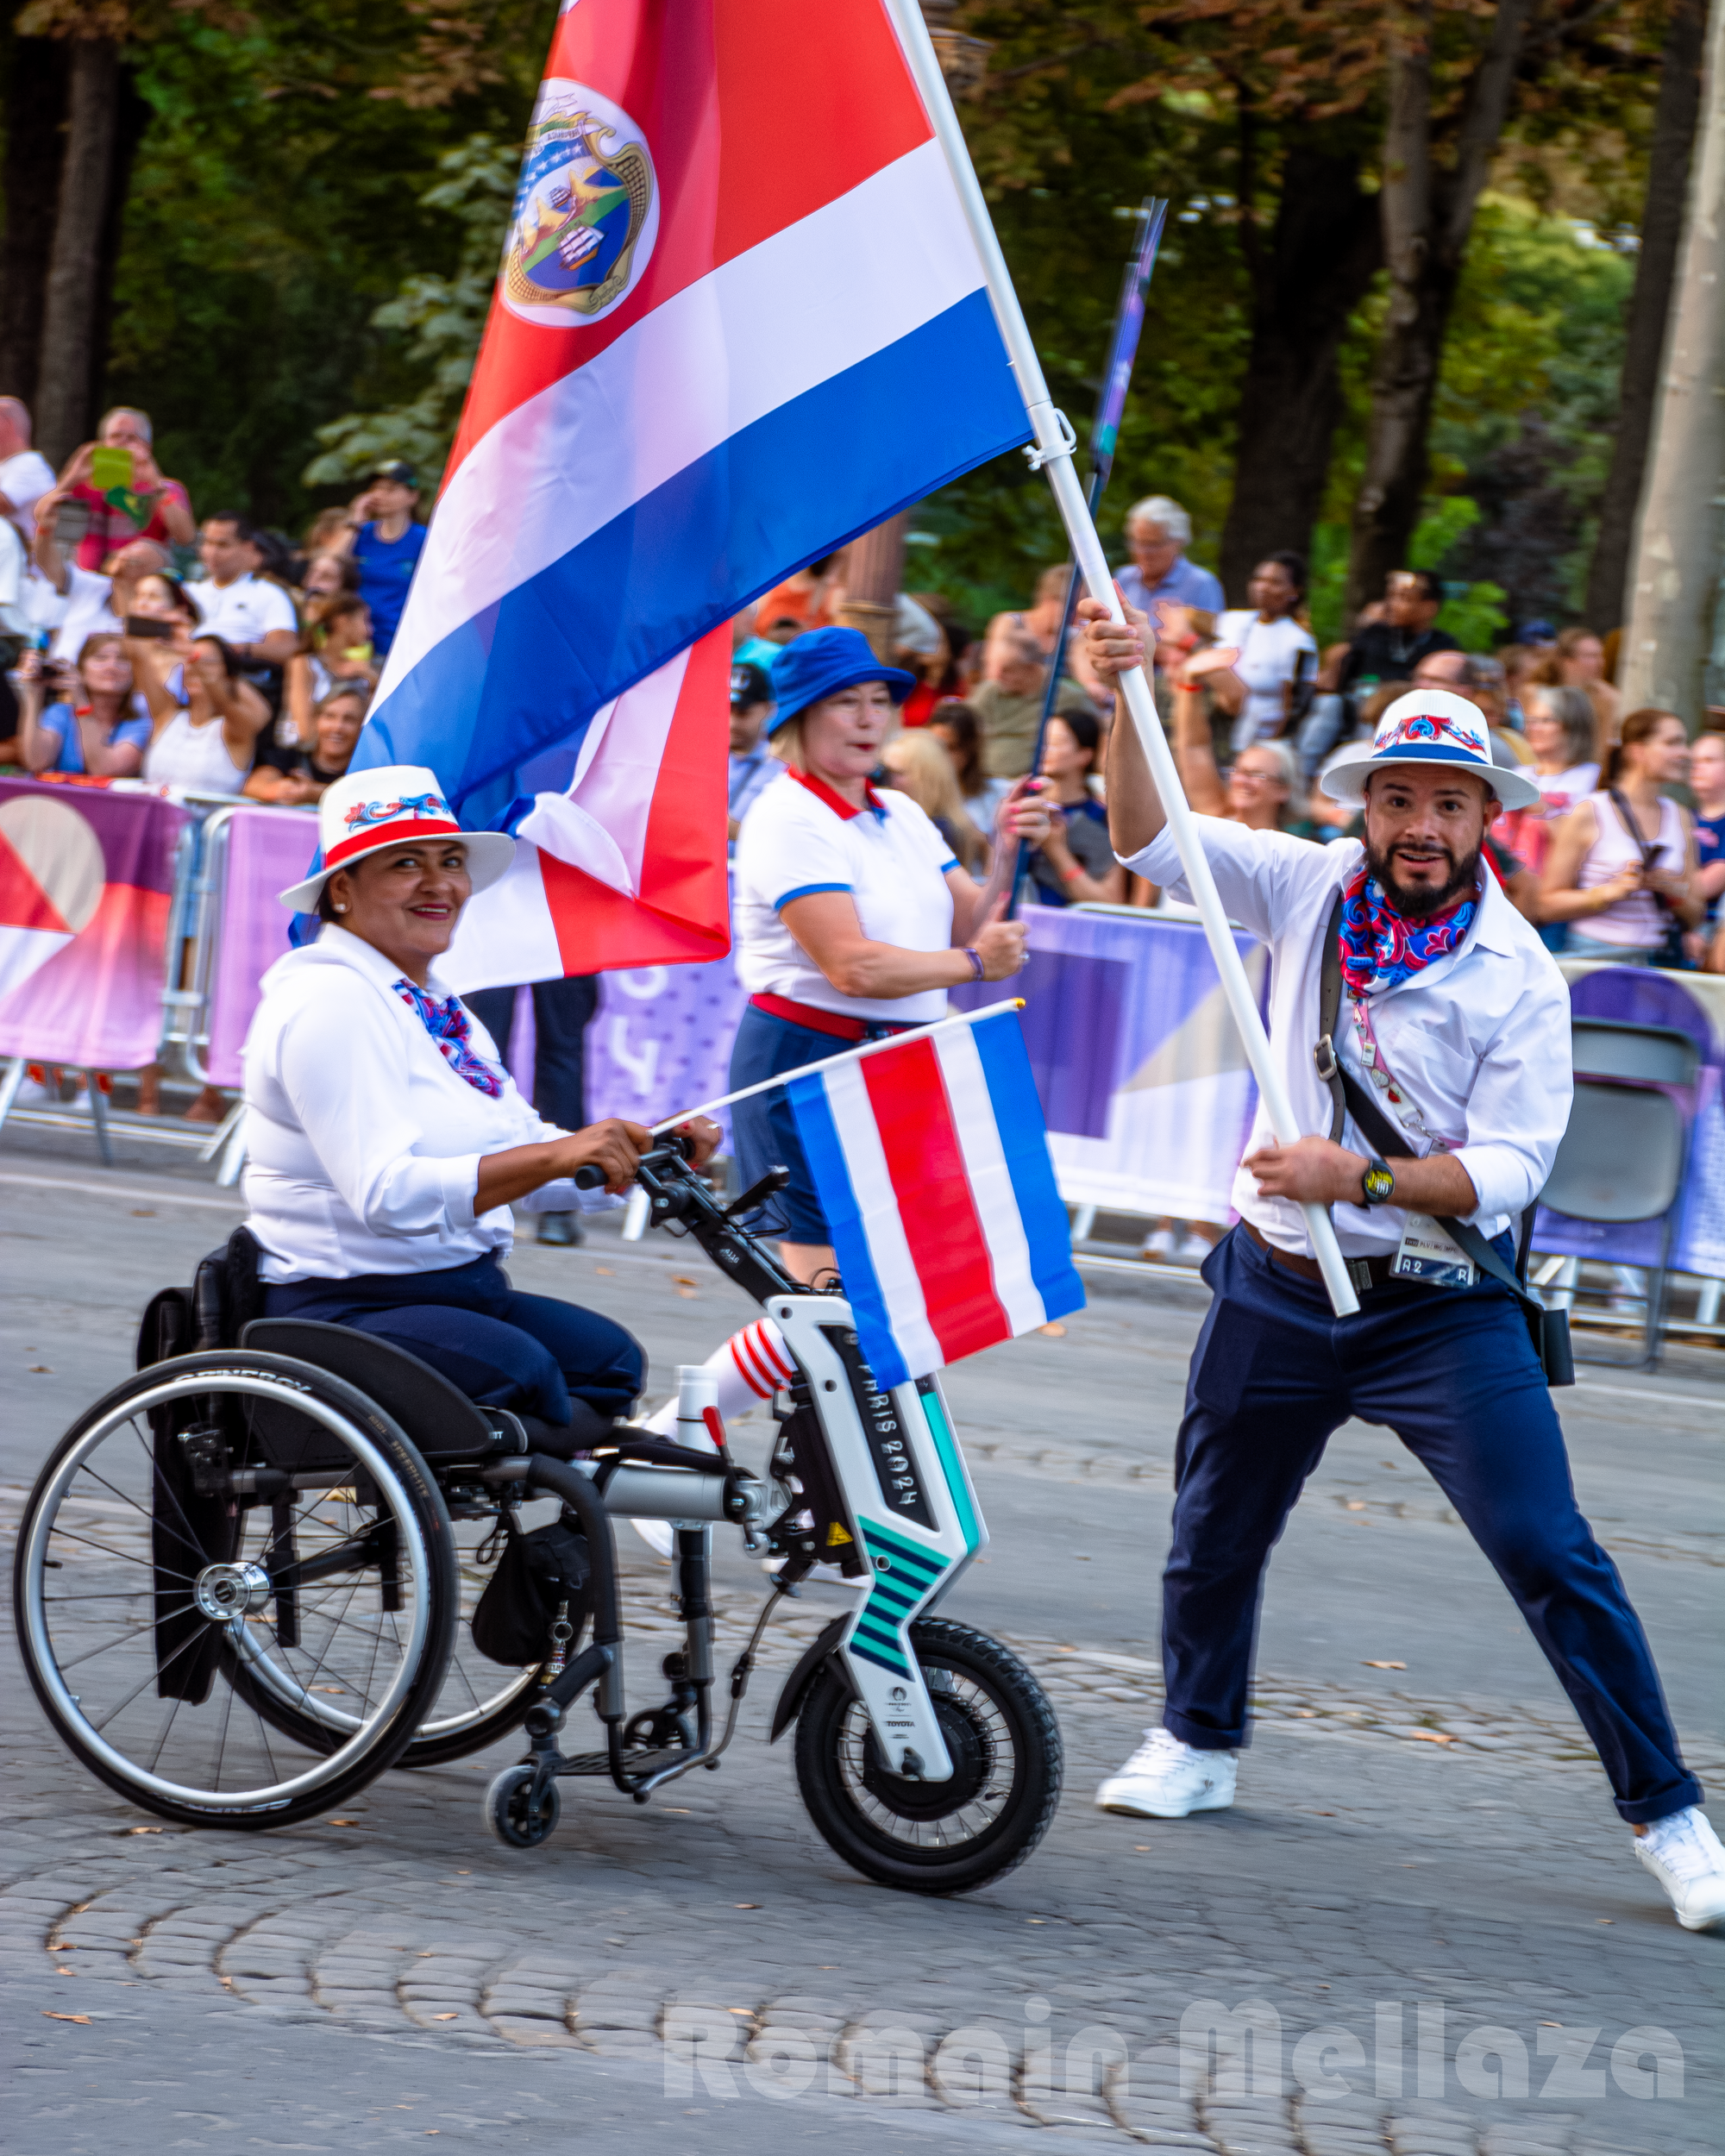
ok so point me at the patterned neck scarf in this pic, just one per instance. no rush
(450, 1026)
(1381, 947)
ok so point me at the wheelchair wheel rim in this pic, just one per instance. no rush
(409, 1642)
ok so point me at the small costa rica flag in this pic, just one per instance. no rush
(931, 1161)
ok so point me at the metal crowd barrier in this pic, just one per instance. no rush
(194, 928)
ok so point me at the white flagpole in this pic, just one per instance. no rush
(1055, 442)
(850, 1056)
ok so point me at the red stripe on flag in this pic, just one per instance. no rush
(926, 1165)
(755, 115)
(682, 913)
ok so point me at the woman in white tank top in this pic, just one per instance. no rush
(1623, 864)
(206, 743)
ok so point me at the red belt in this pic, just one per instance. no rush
(833, 1022)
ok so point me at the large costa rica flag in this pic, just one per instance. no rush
(739, 320)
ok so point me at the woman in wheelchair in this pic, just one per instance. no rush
(387, 1143)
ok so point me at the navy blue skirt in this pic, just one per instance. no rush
(763, 1131)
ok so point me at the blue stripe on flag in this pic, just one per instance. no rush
(1024, 1140)
(837, 461)
(819, 1136)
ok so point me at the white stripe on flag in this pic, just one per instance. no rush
(991, 1181)
(804, 305)
(859, 1139)
(506, 935)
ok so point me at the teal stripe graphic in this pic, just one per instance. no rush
(911, 1573)
(947, 1446)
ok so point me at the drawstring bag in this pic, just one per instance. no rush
(538, 1573)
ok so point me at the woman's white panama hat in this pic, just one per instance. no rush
(1427, 727)
(394, 804)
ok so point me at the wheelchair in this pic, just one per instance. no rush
(248, 1579)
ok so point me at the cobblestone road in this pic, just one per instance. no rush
(1421, 1916)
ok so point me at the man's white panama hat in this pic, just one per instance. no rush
(1427, 727)
(393, 804)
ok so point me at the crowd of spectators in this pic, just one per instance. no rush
(139, 643)
(1623, 856)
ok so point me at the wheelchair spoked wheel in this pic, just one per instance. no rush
(935, 1836)
(227, 1649)
(479, 1703)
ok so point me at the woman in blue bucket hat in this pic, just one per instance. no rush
(852, 916)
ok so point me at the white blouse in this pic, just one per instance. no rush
(364, 1144)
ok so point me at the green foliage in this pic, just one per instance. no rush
(1521, 433)
(444, 318)
(285, 191)
(314, 215)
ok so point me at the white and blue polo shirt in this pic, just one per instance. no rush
(799, 838)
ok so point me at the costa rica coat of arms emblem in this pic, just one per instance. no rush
(586, 210)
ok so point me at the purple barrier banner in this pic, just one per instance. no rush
(86, 876)
(1692, 1004)
(1143, 1081)
(267, 849)
(661, 1040)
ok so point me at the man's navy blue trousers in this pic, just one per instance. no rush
(1453, 1373)
(502, 1348)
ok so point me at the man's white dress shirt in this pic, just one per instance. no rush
(1479, 1041)
(364, 1144)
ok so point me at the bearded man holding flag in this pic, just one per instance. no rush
(1420, 1023)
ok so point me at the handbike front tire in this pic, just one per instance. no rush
(1007, 1758)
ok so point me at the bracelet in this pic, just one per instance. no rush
(1071, 874)
(976, 972)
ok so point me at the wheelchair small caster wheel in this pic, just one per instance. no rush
(511, 1813)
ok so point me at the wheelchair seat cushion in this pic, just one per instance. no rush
(442, 1422)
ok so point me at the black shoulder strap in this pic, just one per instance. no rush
(1329, 1010)
(1351, 1098)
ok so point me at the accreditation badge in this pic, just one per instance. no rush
(1430, 1256)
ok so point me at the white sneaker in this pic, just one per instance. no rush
(1166, 1779)
(1683, 1853)
(1159, 1246)
(1192, 1251)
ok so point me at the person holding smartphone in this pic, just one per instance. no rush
(117, 480)
(90, 727)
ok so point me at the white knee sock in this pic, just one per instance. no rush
(750, 1365)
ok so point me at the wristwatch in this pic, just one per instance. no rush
(1378, 1183)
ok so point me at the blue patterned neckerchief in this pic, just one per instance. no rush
(1380, 948)
(450, 1027)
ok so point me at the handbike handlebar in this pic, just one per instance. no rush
(675, 1148)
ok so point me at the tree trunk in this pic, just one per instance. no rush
(874, 566)
(36, 72)
(1674, 583)
(1427, 216)
(64, 409)
(1675, 116)
(133, 113)
(1325, 249)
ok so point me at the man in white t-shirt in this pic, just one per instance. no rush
(25, 474)
(1277, 655)
(79, 602)
(253, 618)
